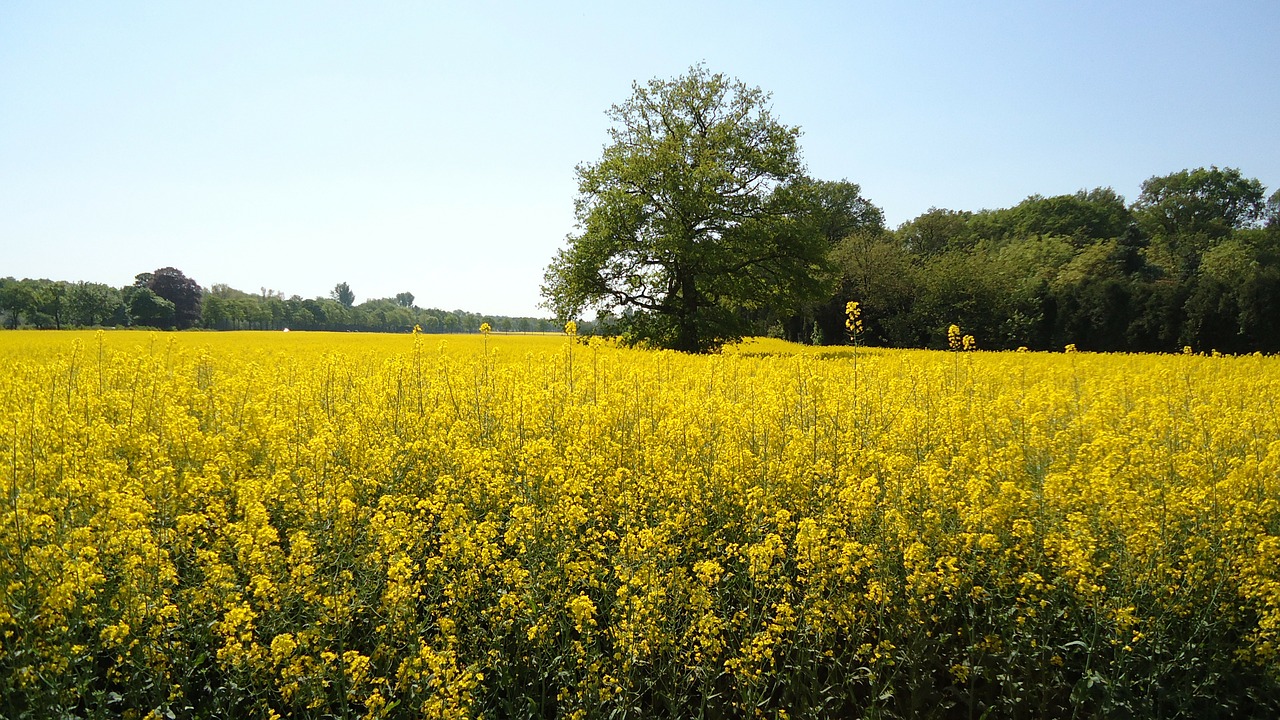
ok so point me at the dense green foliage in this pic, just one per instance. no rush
(1194, 261)
(182, 294)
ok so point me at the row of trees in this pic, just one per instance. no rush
(1194, 261)
(164, 298)
(226, 308)
(698, 226)
(167, 298)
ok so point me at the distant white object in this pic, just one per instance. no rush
(286, 329)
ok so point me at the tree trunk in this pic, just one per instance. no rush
(687, 339)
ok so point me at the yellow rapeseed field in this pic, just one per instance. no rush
(320, 525)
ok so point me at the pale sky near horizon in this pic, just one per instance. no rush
(430, 147)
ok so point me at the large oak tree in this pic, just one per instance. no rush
(697, 216)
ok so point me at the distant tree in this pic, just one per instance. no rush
(1258, 300)
(215, 312)
(1212, 312)
(404, 299)
(836, 209)
(1231, 261)
(958, 287)
(298, 314)
(879, 273)
(1234, 297)
(384, 315)
(17, 299)
(837, 212)
(91, 304)
(1092, 298)
(50, 303)
(1131, 248)
(260, 312)
(1158, 315)
(333, 314)
(183, 292)
(1188, 212)
(225, 291)
(1028, 267)
(937, 230)
(1098, 214)
(1211, 202)
(149, 309)
(342, 293)
(400, 319)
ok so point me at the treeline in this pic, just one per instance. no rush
(167, 298)
(1194, 261)
(226, 308)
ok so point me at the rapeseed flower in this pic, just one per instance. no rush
(352, 525)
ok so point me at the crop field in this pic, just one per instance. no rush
(346, 525)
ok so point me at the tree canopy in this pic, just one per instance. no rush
(343, 294)
(697, 215)
(1188, 212)
(179, 290)
(1209, 201)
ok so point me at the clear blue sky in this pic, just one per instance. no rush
(430, 146)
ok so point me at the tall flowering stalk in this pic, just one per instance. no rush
(571, 329)
(853, 326)
(485, 329)
(853, 320)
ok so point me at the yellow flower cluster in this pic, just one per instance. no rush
(853, 319)
(317, 525)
